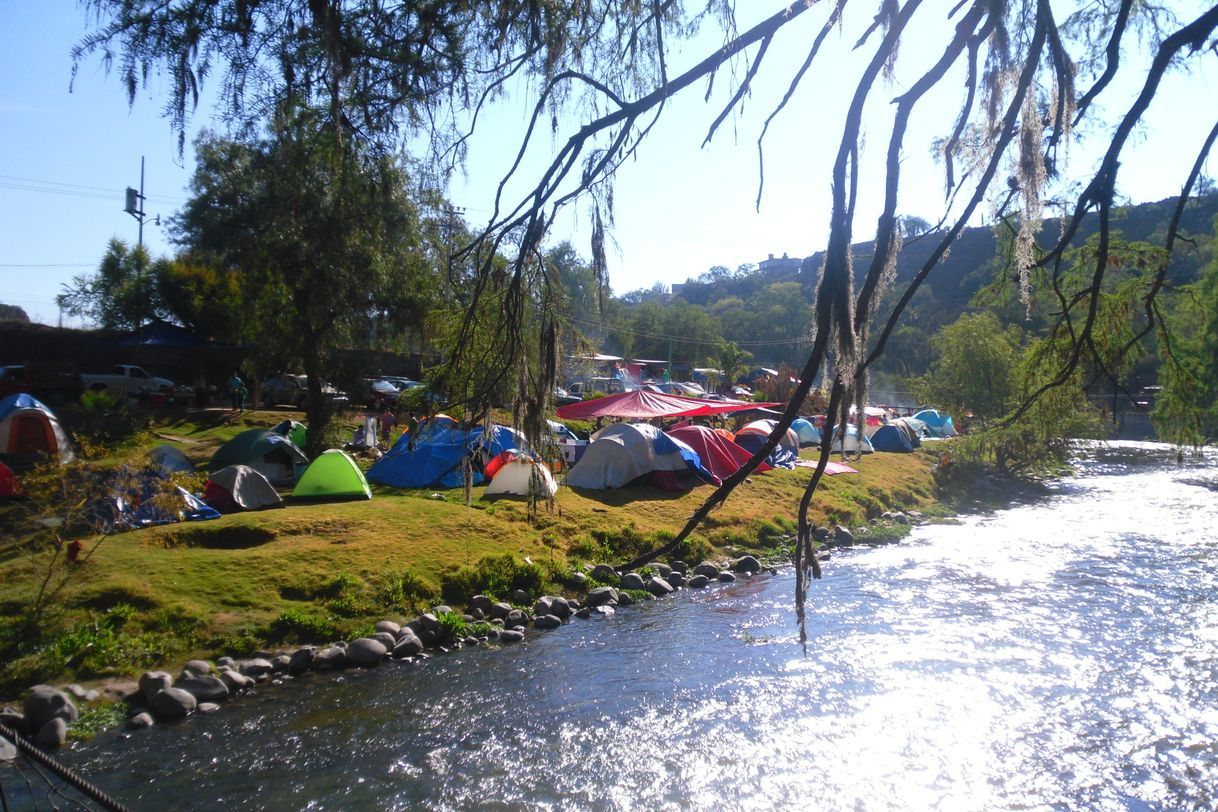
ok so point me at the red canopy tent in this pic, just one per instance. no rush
(644, 405)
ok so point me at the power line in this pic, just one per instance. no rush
(23, 184)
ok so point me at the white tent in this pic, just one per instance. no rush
(623, 452)
(764, 428)
(521, 477)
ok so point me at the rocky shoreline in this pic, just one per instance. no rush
(201, 687)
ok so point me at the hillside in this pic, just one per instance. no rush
(969, 266)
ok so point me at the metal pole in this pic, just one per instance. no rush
(140, 218)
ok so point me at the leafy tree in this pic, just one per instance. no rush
(1032, 78)
(200, 296)
(1186, 410)
(974, 368)
(321, 236)
(121, 295)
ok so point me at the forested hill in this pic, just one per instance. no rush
(970, 265)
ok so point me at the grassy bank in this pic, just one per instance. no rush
(315, 572)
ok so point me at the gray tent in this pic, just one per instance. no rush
(239, 487)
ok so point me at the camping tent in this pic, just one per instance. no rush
(272, 455)
(333, 475)
(520, 476)
(624, 452)
(643, 405)
(915, 430)
(433, 454)
(854, 442)
(29, 430)
(805, 431)
(891, 438)
(718, 454)
(239, 487)
(170, 460)
(298, 433)
(752, 437)
(937, 423)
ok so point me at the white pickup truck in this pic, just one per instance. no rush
(126, 379)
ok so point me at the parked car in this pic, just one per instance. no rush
(125, 379)
(294, 390)
(564, 398)
(380, 393)
(51, 383)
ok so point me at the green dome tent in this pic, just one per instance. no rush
(272, 455)
(333, 475)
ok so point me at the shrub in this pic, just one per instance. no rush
(307, 628)
(494, 575)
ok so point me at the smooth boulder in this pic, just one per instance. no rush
(204, 688)
(173, 703)
(366, 652)
(53, 734)
(45, 703)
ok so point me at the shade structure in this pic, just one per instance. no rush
(718, 454)
(643, 405)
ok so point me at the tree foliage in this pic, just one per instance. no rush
(319, 236)
(974, 371)
(121, 295)
(1032, 76)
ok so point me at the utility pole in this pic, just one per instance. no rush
(450, 225)
(135, 204)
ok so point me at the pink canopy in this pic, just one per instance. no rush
(719, 455)
(643, 405)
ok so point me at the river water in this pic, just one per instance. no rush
(1060, 654)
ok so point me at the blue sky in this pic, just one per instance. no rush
(65, 158)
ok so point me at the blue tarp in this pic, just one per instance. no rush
(780, 457)
(144, 500)
(434, 458)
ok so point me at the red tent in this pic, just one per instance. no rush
(719, 455)
(643, 405)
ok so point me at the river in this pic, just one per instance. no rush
(1059, 654)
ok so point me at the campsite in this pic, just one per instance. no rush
(303, 566)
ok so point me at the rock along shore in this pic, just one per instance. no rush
(202, 686)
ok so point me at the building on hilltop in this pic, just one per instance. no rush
(775, 267)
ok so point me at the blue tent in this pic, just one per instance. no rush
(891, 438)
(939, 424)
(807, 433)
(431, 456)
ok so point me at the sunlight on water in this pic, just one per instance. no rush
(1057, 655)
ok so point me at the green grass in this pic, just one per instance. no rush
(319, 571)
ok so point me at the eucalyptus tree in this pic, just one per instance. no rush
(1026, 74)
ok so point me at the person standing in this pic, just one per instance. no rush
(236, 391)
(387, 423)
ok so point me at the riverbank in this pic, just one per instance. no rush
(314, 573)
